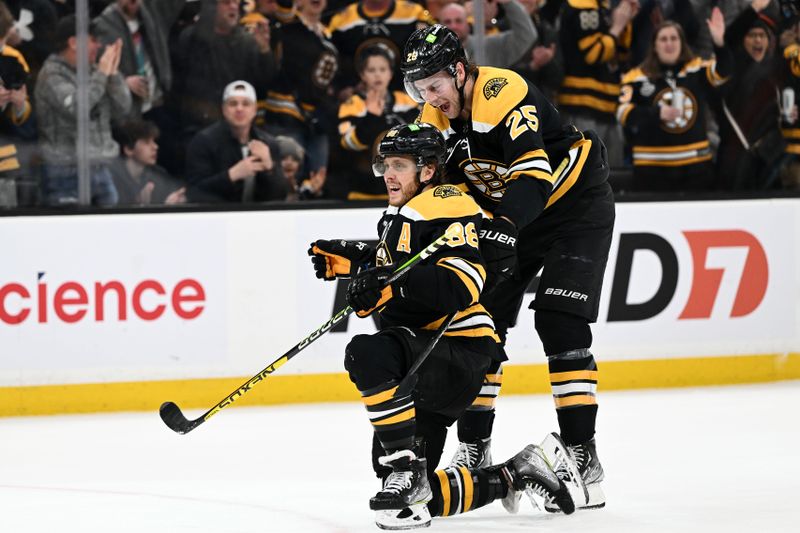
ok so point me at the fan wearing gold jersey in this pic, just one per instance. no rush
(545, 183)
(438, 296)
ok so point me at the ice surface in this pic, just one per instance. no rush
(679, 460)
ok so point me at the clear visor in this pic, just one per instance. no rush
(378, 166)
(399, 166)
(413, 92)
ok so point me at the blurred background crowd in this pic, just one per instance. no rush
(239, 101)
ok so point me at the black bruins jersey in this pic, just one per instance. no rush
(591, 59)
(353, 29)
(683, 141)
(515, 146)
(455, 274)
(308, 64)
(358, 133)
(791, 131)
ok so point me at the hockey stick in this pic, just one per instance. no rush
(174, 418)
(410, 381)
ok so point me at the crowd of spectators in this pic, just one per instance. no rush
(231, 101)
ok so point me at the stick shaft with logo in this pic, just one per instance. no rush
(174, 418)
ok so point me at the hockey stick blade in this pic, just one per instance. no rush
(173, 417)
(175, 420)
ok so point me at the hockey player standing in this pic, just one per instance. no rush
(410, 427)
(546, 185)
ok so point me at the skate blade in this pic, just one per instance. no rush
(511, 502)
(556, 452)
(415, 516)
(538, 501)
(597, 500)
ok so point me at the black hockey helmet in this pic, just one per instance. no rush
(428, 51)
(421, 141)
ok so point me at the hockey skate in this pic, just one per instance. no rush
(579, 467)
(475, 454)
(403, 501)
(529, 472)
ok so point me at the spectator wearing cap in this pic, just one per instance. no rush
(57, 121)
(292, 155)
(213, 52)
(751, 143)
(233, 160)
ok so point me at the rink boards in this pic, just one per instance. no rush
(122, 312)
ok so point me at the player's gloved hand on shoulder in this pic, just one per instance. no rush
(366, 291)
(498, 244)
(338, 258)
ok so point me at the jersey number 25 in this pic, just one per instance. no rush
(521, 120)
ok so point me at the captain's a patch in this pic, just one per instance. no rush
(446, 191)
(493, 87)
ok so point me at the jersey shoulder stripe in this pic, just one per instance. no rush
(403, 102)
(410, 11)
(433, 116)
(497, 91)
(584, 4)
(345, 19)
(355, 106)
(633, 75)
(442, 201)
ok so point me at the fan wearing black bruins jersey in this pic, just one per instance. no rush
(363, 119)
(595, 42)
(546, 185)
(300, 103)
(663, 106)
(439, 295)
(369, 22)
(790, 127)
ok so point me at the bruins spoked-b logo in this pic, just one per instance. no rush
(493, 87)
(486, 176)
(446, 191)
(685, 102)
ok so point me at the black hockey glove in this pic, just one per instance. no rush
(366, 293)
(338, 259)
(498, 243)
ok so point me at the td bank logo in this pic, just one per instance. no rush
(709, 268)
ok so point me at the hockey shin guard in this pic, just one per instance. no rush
(573, 380)
(477, 421)
(394, 419)
(573, 372)
(459, 490)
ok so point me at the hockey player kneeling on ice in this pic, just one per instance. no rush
(434, 310)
